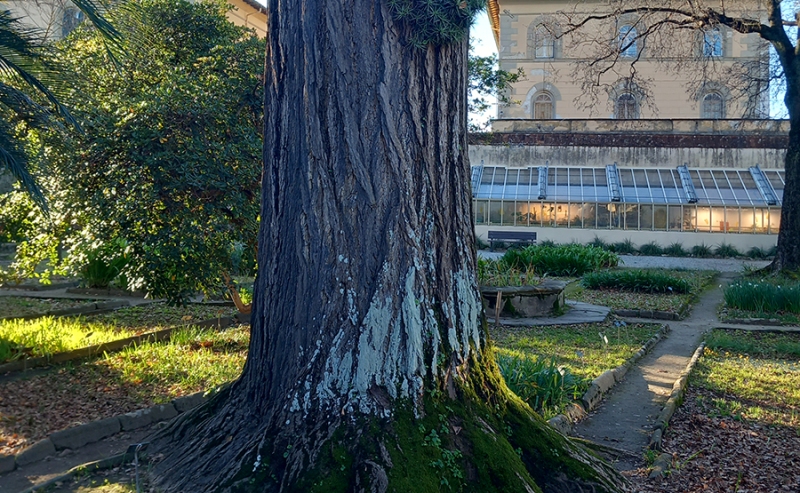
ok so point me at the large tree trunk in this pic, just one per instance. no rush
(788, 252)
(366, 317)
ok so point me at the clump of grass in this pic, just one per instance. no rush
(46, 336)
(652, 249)
(597, 242)
(548, 243)
(540, 382)
(701, 250)
(624, 247)
(676, 250)
(727, 250)
(561, 260)
(757, 253)
(500, 273)
(638, 281)
(761, 344)
(764, 296)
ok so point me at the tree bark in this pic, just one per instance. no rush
(366, 301)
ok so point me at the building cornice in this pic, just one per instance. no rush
(256, 5)
(493, 9)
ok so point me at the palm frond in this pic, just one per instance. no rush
(14, 160)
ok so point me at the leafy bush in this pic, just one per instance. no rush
(547, 243)
(701, 250)
(16, 216)
(727, 250)
(651, 248)
(104, 264)
(640, 281)
(763, 296)
(561, 260)
(772, 251)
(624, 247)
(539, 382)
(676, 250)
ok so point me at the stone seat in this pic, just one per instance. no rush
(541, 300)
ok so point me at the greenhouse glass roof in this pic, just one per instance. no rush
(681, 185)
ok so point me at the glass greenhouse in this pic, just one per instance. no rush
(654, 199)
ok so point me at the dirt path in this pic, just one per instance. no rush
(625, 420)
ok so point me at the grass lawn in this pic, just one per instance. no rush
(626, 300)
(580, 348)
(135, 378)
(739, 427)
(19, 306)
(48, 335)
(774, 297)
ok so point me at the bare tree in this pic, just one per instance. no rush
(680, 36)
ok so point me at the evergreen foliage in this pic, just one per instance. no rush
(435, 22)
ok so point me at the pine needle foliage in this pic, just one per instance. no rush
(436, 22)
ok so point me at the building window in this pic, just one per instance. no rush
(543, 42)
(627, 41)
(713, 106)
(712, 43)
(627, 108)
(543, 107)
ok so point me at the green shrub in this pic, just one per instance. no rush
(599, 243)
(104, 264)
(640, 281)
(756, 252)
(624, 247)
(772, 251)
(17, 213)
(651, 248)
(561, 260)
(763, 297)
(676, 250)
(727, 250)
(547, 243)
(539, 382)
(701, 250)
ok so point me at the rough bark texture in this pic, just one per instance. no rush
(366, 301)
(787, 256)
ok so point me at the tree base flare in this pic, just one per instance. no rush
(486, 439)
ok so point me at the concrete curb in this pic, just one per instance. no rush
(675, 400)
(91, 308)
(107, 463)
(110, 347)
(78, 436)
(40, 287)
(601, 385)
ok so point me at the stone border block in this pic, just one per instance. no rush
(660, 467)
(144, 417)
(7, 463)
(36, 452)
(187, 402)
(605, 381)
(79, 436)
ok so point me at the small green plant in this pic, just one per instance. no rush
(772, 251)
(702, 250)
(626, 246)
(560, 260)
(635, 280)
(598, 243)
(756, 253)
(545, 386)
(548, 243)
(652, 249)
(676, 250)
(104, 264)
(727, 250)
(764, 296)
(650, 457)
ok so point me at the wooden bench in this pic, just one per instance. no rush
(513, 236)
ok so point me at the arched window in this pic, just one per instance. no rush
(713, 106)
(712, 42)
(543, 107)
(627, 41)
(543, 42)
(627, 108)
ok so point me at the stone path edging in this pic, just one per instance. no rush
(602, 384)
(110, 347)
(78, 436)
(655, 314)
(675, 399)
(98, 465)
(89, 308)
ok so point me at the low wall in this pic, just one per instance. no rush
(742, 242)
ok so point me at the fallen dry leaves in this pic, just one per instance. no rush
(721, 454)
